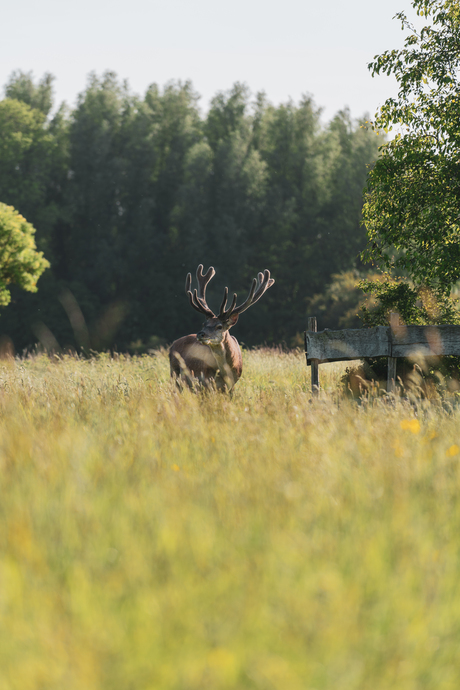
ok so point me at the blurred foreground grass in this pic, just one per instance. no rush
(153, 540)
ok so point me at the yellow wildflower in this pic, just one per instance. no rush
(412, 425)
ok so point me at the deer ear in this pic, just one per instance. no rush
(232, 319)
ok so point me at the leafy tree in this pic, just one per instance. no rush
(20, 262)
(128, 194)
(228, 114)
(340, 304)
(413, 195)
(352, 149)
(312, 209)
(33, 165)
(21, 87)
(157, 242)
(23, 149)
(97, 167)
(127, 168)
(416, 305)
(33, 179)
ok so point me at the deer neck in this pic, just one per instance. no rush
(222, 355)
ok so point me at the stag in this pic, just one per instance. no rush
(212, 357)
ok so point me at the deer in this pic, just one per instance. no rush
(212, 357)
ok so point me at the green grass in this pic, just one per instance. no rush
(154, 540)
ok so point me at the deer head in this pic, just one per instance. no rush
(214, 329)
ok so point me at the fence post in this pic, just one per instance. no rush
(391, 378)
(313, 327)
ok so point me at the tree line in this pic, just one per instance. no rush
(128, 194)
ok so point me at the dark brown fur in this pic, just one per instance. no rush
(191, 359)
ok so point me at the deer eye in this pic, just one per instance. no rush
(219, 327)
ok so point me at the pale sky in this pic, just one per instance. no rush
(285, 48)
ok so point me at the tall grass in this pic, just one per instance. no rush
(157, 540)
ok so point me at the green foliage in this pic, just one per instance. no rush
(22, 148)
(413, 195)
(414, 304)
(340, 304)
(20, 263)
(129, 193)
(21, 87)
(34, 169)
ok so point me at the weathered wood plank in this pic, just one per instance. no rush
(392, 361)
(391, 374)
(425, 340)
(312, 328)
(399, 341)
(335, 346)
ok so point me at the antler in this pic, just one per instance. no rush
(259, 286)
(198, 301)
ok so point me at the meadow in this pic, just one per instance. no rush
(157, 540)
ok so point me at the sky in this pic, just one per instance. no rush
(283, 47)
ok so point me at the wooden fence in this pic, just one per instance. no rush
(391, 341)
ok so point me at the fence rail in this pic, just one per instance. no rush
(382, 341)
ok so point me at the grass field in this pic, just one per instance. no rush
(152, 540)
